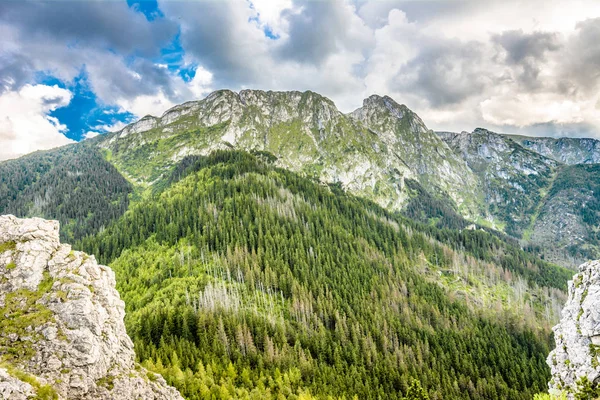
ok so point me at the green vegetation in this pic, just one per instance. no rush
(42, 392)
(20, 311)
(546, 396)
(107, 381)
(73, 184)
(586, 390)
(247, 281)
(6, 246)
(424, 207)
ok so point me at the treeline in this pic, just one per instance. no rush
(73, 184)
(242, 280)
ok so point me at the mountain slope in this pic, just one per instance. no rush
(369, 152)
(242, 279)
(513, 178)
(381, 151)
(73, 184)
(569, 151)
(566, 228)
(551, 207)
(259, 274)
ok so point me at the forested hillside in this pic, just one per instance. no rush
(73, 184)
(248, 281)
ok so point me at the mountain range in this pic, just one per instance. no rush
(528, 188)
(266, 244)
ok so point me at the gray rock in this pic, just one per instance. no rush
(74, 338)
(13, 388)
(577, 335)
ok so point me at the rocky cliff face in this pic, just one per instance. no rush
(61, 326)
(577, 336)
(569, 151)
(512, 177)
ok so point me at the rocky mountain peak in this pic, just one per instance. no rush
(577, 336)
(308, 106)
(386, 113)
(483, 131)
(62, 329)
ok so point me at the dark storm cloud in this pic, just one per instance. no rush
(113, 42)
(214, 33)
(226, 37)
(319, 29)
(111, 24)
(142, 77)
(445, 73)
(581, 64)
(520, 46)
(526, 53)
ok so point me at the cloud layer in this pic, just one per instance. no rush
(514, 66)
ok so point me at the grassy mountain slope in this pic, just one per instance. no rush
(73, 184)
(249, 281)
(550, 207)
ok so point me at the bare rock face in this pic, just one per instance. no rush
(577, 336)
(61, 322)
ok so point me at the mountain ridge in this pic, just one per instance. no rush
(381, 142)
(379, 151)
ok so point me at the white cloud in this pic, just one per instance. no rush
(144, 105)
(25, 125)
(90, 134)
(156, 104)
(200, 84)
(269, 14)
(116, 126)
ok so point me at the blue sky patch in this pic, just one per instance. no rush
(147, 7)
(84, 113)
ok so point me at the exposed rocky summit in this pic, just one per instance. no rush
(61, 326)
(577, 336)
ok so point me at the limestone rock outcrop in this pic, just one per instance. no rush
(577, 336)
(61, 322)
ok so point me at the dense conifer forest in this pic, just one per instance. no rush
(248, 281)
(73, 184)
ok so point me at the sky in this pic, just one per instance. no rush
(70, 70)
